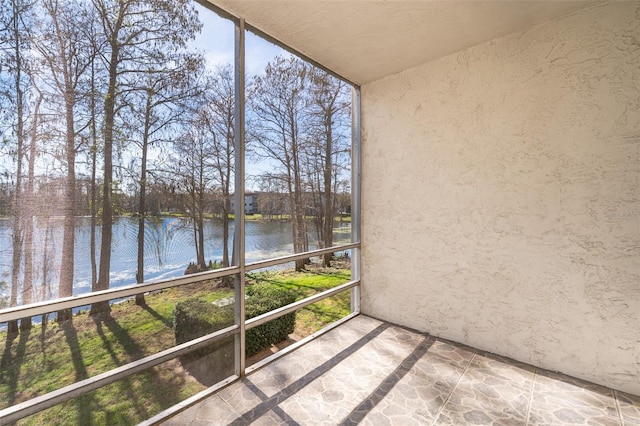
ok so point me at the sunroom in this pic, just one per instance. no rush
(492, 256)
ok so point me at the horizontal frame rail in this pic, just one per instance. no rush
(276, 313)
(298, 256)
(42, 402)
(181, 406)
(83, 387)
(40, 308)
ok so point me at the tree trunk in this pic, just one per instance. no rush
(94, 186)
(142, 204)
(227, 281)
(27, 216)
(65, 287)
(46, 287)
(225, 230)
(199, 208)
(301, 242)
(16, 258)
(107, 199)
(200, 225)
(328, 196)
(27, 283)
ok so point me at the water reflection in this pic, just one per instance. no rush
(168, 249)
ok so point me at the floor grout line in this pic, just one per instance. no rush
(533, 384)
(615, 398)
(446, 401)
(554, 397)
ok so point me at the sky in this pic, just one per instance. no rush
(216, 41)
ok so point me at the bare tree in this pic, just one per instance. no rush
(215, 122)
(27, 214)
(133, 30)
(272, 200)
(192, 175)
(93, 165)
(164, 90)
(95, 89)
(329, 109)
(63, 47)
(16, 16)
(277, 99)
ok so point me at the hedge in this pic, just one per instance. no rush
(261, 299)
(195, 318)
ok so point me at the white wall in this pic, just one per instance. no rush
(501, 201)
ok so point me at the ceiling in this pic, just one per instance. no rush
(364, 40)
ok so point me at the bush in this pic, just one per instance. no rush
(195, 318)
(262, 299)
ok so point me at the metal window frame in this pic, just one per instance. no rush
(82, 387)
(80, 300)
(238, 270)
(356, 197)
(239, 191)
(42, 402)
(41, 308)
(258, 32)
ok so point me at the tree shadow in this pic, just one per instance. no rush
(301, 290)
(43, 337)
(166, 321)
(160, 387)
(129, 346)
(270, 403)
(211, 364)
(358, 414)
(6, 359)
(11, 365)
(164, 392)
(71, 337)
(85, 402)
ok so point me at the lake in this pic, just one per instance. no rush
(169, 248)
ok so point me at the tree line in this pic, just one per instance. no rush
(106, 105)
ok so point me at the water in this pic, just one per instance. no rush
(169, 248)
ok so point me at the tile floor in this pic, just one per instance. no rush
(374, 373)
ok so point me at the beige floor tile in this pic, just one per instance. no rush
(373, 373)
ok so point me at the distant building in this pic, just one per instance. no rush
(250, 203)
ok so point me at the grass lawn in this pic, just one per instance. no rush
(49, 357)
(285, 217)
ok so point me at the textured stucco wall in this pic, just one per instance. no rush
(501, 200)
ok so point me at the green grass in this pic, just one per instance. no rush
(47, 358)
(285, 217)
(313, 317)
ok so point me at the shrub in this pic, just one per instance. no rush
(262, 299)
(195, 318)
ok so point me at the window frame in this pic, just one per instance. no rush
(237, 270)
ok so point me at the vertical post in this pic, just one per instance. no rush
(238, 235)
(356, 176)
